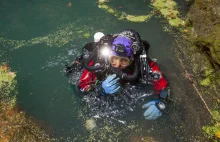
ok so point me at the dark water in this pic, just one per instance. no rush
(38, 37)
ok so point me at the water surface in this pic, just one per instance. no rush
(47, 96)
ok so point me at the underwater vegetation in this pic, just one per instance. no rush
(62, 36)
(68, 32)
(167, 8)
(125, 16)
(14, 124)
(213, 132)
(200, 67)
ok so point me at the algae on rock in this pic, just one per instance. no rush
(169, 11)
(14, 124)
(204, 18)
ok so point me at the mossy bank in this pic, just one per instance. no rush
(14, 124)
(202, 52)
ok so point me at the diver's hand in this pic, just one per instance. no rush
(153, 109)
(110, 85)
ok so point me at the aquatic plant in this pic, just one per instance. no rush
(124, 15)
(167, 8)
(213, 132)
(62, 36)
(169, 11)
(7, 82)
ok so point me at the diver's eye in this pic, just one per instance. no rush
(114, 59)
(125, 61)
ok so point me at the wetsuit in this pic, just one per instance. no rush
(88, 79)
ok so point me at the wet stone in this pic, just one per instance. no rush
(90, 124)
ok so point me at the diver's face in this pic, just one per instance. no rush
(119, 62)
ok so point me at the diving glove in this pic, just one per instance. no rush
(153, 109)
(110, 85)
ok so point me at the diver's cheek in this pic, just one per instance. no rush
(116, 65)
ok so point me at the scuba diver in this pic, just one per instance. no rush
(114, 60)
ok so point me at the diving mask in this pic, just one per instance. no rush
(122, 61)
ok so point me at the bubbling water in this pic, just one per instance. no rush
(118, 105)
(113, 106)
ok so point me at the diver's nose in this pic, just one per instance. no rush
(117, 65)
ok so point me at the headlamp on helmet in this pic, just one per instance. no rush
(135, 37)
(120, 48)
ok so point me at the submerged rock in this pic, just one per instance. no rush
(205, 19)
(69, 4)
(90, 124)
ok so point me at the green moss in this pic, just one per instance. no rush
(217, 45)
(141, 18)
(216, 50)
(176, 22)
(60, 37)
(216, 115)
(202, 42)
(125, 16)
(108, 9)
(211, 131)
(160, 4)
(86, 35)
(80, 31)
(102, 1)
(7, 82)
(205, 82)
(168, 9)
(208, 72)
(15, 125)
(205, 36)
